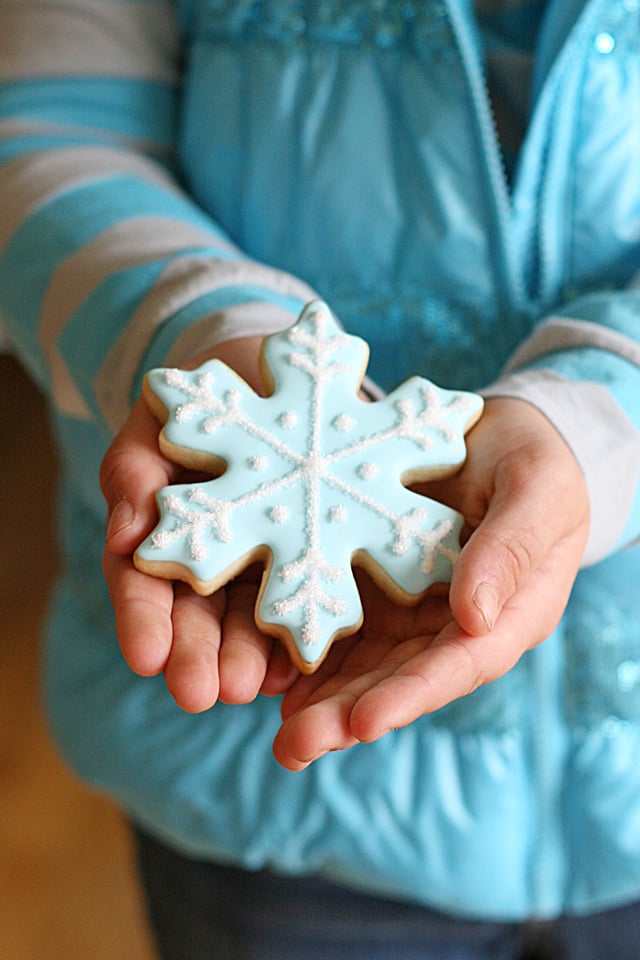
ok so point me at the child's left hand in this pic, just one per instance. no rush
(526, 505)
(207, 647)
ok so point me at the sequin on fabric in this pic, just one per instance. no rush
(618, 29)
(383, 23)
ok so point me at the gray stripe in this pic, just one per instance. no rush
(62, 38)
(32, 180)
(181, 283)
(129, 243)
(245, 320)
(559, 333)
(10, 128)
(65, 394)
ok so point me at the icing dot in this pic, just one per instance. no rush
(368, 470)
(338, 514)
(258, 464)
(288, 420)
(280, 514)
(343, 423)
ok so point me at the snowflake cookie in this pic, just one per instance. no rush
(314, 480)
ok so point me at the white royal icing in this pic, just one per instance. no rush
(343, 422)
(280, 514)
(308, 458)
(338, 514)
(288, 420)
(368, 470)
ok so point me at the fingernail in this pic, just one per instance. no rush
(121, 516)
(485, 599)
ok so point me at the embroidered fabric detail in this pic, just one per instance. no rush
(383, 23)
(602, 655)
(452, 343)
(498, 709)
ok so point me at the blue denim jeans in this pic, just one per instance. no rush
(203, 911)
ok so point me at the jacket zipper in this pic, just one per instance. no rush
(542, 236)
(512, 278)
(548, 734)
(551, 213)
(549, 743)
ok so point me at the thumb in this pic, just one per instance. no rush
(531, 514)
(132, 471)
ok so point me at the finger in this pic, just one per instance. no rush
(531, 513)
(245, 650)
(132, 471)
(142, 608)
(456, 664)
(322, 722)
(453, 666)
(349, 666)
(191, 673)
(423, 674)
(327, 679)
(281, 673)
(384, 628)
(318, 729)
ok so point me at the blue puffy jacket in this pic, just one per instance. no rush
(172, 174)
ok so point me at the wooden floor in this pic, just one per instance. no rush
(67, 888)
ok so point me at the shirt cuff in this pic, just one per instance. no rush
(602, 438)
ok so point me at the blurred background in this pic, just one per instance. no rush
(67, 885)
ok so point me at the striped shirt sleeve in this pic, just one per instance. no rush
(107, 266)
(582, 370)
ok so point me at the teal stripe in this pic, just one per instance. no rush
(68, 223)
(620, 312)
(93, 329)
(620, 377)
(129, 108)
(186, 14)
(209, 303)
(95, 326)
(63, 227)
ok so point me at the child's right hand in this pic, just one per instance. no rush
(527, 509)
(207, 647)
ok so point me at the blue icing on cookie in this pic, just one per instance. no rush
(313, 476)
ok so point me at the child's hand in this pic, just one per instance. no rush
(526, 505)
(208, 647)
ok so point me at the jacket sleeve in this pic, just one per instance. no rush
(581, 368)
(107, 267)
